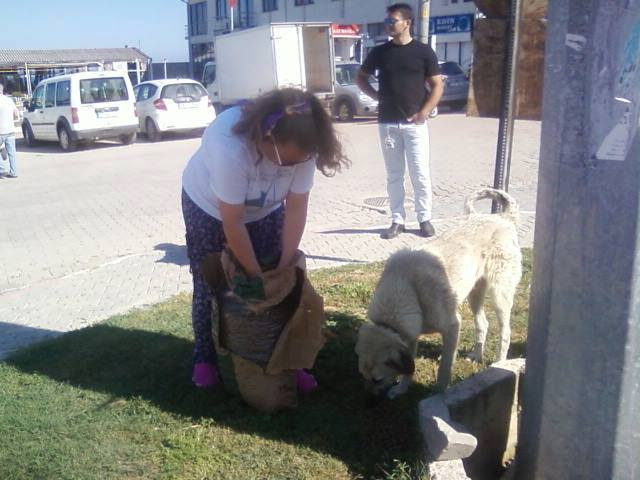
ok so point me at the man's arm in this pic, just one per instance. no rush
(437, 89)
(362, 80)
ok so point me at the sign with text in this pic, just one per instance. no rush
(345, 31)
(451, 24)
(232, 3)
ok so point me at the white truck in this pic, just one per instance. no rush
(277, 55)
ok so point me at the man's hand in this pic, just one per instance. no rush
(362, 80)
(418, 118)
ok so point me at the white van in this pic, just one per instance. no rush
(81, 107)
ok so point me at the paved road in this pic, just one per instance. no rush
(94, 233)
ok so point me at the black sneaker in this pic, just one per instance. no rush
(393, 231)
(10, 175)
(426, 229)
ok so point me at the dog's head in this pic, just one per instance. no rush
(382, 357)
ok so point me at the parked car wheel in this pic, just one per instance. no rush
(27, 134)
(344, 111)
(153, 133)
(128, 139)
(67, 143)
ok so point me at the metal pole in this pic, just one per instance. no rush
(507, 107)
(231, 28)
(165, 67)
(581, 397)
(28, 77)
(423, 21)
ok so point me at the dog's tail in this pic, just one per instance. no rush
(509, 205)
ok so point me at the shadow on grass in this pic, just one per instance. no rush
(154, 365)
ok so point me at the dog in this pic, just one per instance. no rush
(420, 290)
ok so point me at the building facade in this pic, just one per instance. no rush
(451, 22)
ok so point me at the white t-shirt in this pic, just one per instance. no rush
(226, 168)
(7, 109)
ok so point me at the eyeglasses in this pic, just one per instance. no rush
(308, 158)
(391, 21)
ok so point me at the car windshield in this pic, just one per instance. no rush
(183, 90)
(451, 68)
(97, 90)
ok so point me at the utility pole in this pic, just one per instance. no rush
(232, 4)
(581, 404)
(423, 21)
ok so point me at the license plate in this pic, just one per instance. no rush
(106, 114)
(187, 105)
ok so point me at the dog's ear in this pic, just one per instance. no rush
(405, 366)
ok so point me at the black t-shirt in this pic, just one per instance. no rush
(402, 73)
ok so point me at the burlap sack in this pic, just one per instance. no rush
(269, 342)
(263, 391)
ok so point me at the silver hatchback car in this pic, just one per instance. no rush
(349, 100)
(456, 85)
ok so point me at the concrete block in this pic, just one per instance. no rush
(485, 406)
(444, 440)
(448, 470)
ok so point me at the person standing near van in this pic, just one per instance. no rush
(8, 114)
(405, 66)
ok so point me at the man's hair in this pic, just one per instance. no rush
(404, 8)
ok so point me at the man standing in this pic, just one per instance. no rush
(404, 68)
(8, 114)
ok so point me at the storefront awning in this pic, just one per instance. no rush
(345, 31)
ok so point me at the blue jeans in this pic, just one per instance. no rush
(407, 144)
(9, 140)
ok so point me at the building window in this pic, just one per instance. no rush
(221, 9)
(269, 5)
(198, 18)
(303, 2)
(201, 53)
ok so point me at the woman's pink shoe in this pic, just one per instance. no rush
(205, 375)
(305, 381)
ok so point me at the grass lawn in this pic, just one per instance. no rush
(114, 401)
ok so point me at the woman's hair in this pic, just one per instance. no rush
(291, 115)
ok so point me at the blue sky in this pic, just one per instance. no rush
(157, 27)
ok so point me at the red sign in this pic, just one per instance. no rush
(345, 31)
(232, 3)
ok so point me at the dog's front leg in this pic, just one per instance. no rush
(449, 350)
(406, 378)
